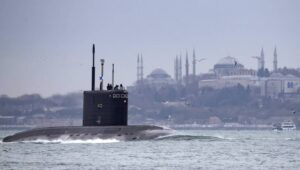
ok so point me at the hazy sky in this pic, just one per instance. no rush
(45, 46)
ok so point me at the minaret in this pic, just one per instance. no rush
(138, 69)
(187, 68)
(142, 68)
(275, 60)
(262, 59)
(180, 69)
(176, 69)
(194, 64)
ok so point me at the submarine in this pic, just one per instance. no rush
(105, 116)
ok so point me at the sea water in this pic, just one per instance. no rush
(184, 149)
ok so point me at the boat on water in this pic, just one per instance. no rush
(288, 125)
(284, 126)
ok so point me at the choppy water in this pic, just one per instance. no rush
(197, 149)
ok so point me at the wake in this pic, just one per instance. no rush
(190, 138)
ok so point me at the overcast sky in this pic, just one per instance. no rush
(45, 46)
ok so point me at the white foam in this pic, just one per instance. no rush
(223, 137)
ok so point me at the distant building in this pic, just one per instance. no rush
(7, 120)
(159, 77)
(230, 81)
(228, 72)
(278, 85)
(214, 120)
(229, 66)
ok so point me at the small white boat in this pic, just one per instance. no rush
(288, 125)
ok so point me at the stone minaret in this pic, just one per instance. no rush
(138, 69)
(262, 59)
(180, 69)
(275, 60)
(142, 68)
(194, 64)
(187, 68)
(176, 71)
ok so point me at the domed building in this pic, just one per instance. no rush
(158, 73)
(229, 72)
(228, 66)
(228, 61)
(159, 77)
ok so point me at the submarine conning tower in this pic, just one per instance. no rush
(105, 107)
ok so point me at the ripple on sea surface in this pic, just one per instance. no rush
(197, 149)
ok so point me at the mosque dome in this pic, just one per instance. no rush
(159, 73)
(159, 77)
(227, 61)
(228, 66)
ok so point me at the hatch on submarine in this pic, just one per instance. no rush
(105, 116)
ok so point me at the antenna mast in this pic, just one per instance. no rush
(101, 78)
(93, 69)
(113, 75)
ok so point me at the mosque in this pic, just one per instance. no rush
(227, 72)
(157, 78)
(229, 66)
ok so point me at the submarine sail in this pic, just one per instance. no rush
(105, 108)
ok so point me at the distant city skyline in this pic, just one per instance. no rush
(46, 46)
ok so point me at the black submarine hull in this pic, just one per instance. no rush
(122, 133)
